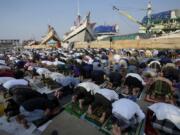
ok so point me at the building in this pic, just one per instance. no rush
(9, 43)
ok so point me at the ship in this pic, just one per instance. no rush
(50, 40)
(104, 31)
(165, 24)
(82, 31)
(156, 30)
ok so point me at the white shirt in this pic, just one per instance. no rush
(88, 59)
(116, 58)
(155, 52)
(5, 79)
(109, 94)
(89, 86)
(2, 62)
(41, 71)
(4, 67)
(55, 75)
(136, 76)
(167, 111)
(47, 62)
(58, 63)
(78, 61)
(12, 58)
(9, 84)
(127, 109)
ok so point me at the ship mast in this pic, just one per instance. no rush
(78, 14)
(149, 13)
(78, 8)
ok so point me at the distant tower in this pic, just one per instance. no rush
(149, 12)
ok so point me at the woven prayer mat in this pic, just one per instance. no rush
(73, 109)
(94, 118)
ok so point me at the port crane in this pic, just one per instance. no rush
(158, 28)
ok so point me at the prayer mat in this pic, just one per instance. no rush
(73, 109)
(95, 117)
(90, 121)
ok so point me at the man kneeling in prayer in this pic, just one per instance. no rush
(84, 93)
(68, 83)
(20, 94)
(103, 99)
(134, 84)
(162, 119)
(37, 108)
(126, 114)
(12, 83)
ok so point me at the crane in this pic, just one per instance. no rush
(148, 27)
(127, 15)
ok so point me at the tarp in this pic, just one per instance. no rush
(158, 17)
(105, 29)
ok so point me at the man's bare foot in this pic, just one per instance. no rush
(167, 99)
(102, 119)
(89, 111)
(152, 96)
(25, 124)
(119, 131)
(74, 99)
(116, 130)
(81, 103)
(19, 118)
(55, 111)
(58, 94)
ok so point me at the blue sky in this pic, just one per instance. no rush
(24, 19)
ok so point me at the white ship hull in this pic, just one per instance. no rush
(170, 35)
(80, 33)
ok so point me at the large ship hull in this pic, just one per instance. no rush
(81, 34)
(82, 31)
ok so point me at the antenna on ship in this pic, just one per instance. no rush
(149, 13)
(78, 13)
(78, 7)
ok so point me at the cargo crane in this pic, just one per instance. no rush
(142, 28)
(159, 23)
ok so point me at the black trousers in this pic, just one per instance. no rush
(83, 94)
(101, 102)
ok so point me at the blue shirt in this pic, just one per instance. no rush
(69, 81)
